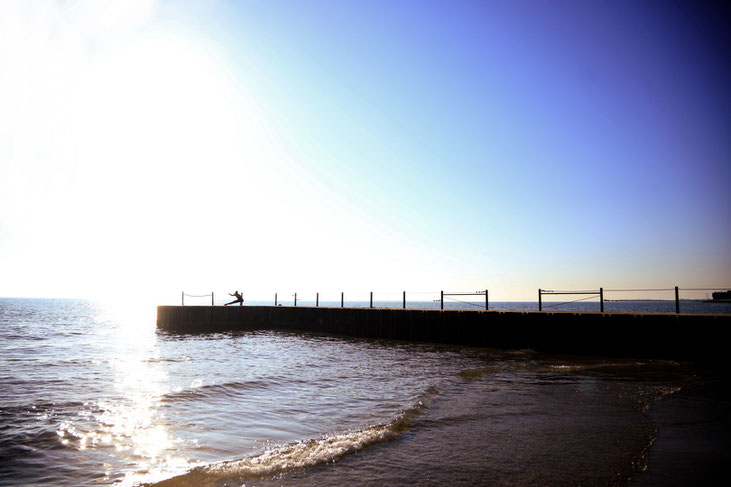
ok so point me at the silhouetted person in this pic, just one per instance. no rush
(239, 298)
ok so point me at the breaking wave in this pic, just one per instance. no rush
(302, 454)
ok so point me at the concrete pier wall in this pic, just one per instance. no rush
(653, 335)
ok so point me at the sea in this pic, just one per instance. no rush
(93, 394)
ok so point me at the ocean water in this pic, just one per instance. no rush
(92, 395)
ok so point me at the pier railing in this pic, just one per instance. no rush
(476, 293)
(586, 295)
(442, 296)
(593, 294)
(183, 295)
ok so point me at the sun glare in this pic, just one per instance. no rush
(155, 139)
(150, 133)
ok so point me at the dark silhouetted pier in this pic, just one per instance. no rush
(675, 336)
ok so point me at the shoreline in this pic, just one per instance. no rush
(693, 440)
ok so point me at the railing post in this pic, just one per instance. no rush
(275, 299)
(677, 300)
(404, 299)
(601, 299)
(212, 299)
(441, 300)
(295, 299)
(371, 299)
(487, 301)
(317, 300)
(342, 299)
(540, 304)
(182, 298)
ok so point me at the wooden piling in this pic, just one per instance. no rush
(601, 299)
(677, 300)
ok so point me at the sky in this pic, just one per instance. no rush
(152, 147)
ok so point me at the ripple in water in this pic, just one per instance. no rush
(87, 398)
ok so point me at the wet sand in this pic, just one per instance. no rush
(693, 444)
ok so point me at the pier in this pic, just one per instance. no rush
(674, 336)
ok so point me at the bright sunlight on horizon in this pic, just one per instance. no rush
(149, 147)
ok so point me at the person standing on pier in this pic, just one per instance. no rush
(239, 298)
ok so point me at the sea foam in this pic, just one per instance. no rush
(303, 454)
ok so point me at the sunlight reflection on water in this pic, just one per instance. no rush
(129, 421)
(97, 395)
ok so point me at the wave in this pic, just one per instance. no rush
(474, 374)
(226, 390)
(302, 454)
(157, 360)
(14, 412)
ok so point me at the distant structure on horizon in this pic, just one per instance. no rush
(722, 296)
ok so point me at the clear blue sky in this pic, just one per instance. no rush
(385, 145)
